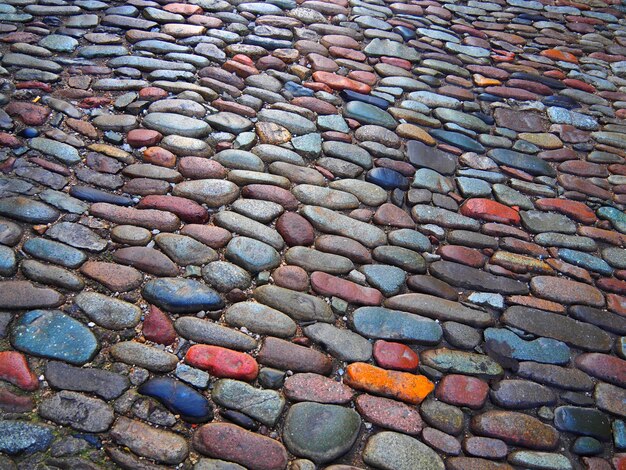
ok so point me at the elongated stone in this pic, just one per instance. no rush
(299, 306)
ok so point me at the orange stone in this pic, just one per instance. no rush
(159, 156)
(555, 54)
(403, 386)
(337, 82)
(183, 9)
(489, 210)
(480, 80)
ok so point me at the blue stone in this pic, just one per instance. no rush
(251, 254)
(387, 178)
(583, 421)
(619, 434)
(298, 90)
(54, 252)
(384, 323)
(179, 398)
(28, 132)
(349, 95)
(485, 118)
(585, 260)
(489, 98)
(458, 140)
(54, 335)
(615, 216)
(97, 195)
(587, 446)
(528, 163)
(181, 295)
(561, 101)
(8, 263)
(388, 279)
(267, 43)
(406, 33)
(20, 436)
(544, 350)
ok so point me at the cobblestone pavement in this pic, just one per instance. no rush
(312, 234)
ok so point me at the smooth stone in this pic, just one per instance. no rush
(366, 113)
(51, 275)
(225, 276)
(178, 124)
(461, 362)
(260, 319)
(543, 350)
(383, 323)
(104, 383)
(207, 332)
(320, 432)
(251, 254)
(394, 451)
(184, 250)
(343, 344)
(299, 306)
(54, 335)
(388, 279)
(181, 295)
(27, 210)
(63, 152)
(145, 356)
(108, 312)
(178, 398)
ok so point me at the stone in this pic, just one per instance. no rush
(392, 450)
(54, 335)
(22, 437)
(179, 398)
(108, 312)
(515, 429)
(344, 345)
(222, 362)
(143, 355)
(265, 406)
(181, 295)
(106, 384)
(299, 306)
(235, 444)
(406, 387)
(146, 441)
(79, 411)
(320, 432)
(382, 323)
(316, 388)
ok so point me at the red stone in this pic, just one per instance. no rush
(9, 140)
(461, 390)
(152, 93)
(337, 82)
(222, 362)
(271, 193)
(403, 64)
(390, 214)
(616, 303)
(291, 277)
(158, 327)
(489, 210)
(113, 276)
(395, 356)
(515, 428)
(389, 414)
(596, 463)
(234, 108)
(574, 83)
(326, 284)
(270, 63)
(573, 209)
(143, 137)
(314, 104)
(29, 113)
(201, 168)
(215, 237)
(317, 388)
(159, 156)
(13, 403)
(188, 211)
(284, 355)
(485, 447)
(462, 254)
(232, 443)
(604, 367)
(94, 102)
(613, 285)
(295, 229)
(14, 369)
(368, 78)
(33, 84)
(555, 54)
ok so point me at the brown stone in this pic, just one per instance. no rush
(515, 428)
(114, 277)
(284, 355)
(317, 388)
(291, 277)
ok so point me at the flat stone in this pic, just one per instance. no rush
(299, 306)
(54, 335)
(583, 421)
(516, 429)
(79, 411)
(222, 362)
(235, 444)
(284, 355)
(320, 432)
(461, 362)
(520, 394)
(113, 276)
(345, 345)
(146, 441)
(566, 291)
(106, 384)
(22, 437)
(392, 450)
(471, 278)
(212, 192)
(146, 259)
(184, 250)
(28, 210)
(383, 323)
(251, 254)
(578, 334)
(439, 309)
(108, 312)
(207, 332)
(265, 406)
(142, 355)
(316, 388)
(507, 344)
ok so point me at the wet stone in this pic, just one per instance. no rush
(179, 398)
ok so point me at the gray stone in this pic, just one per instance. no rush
(394, 451)
(79, 411)
(265, 406)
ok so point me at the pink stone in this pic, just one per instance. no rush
(326, 284)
